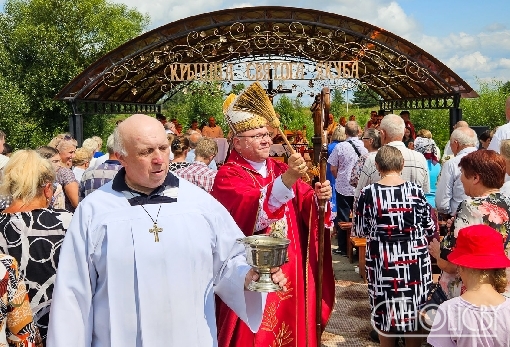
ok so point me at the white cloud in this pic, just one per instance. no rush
(473, 62)
(482, 55)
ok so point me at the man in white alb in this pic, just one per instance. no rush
(145, 254)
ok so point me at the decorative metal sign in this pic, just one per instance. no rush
(254, 71)
(246, 52)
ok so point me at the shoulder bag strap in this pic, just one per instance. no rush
(355, 148)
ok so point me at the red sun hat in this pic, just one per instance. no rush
(479, 247)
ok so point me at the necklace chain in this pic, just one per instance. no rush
(155, 228)
(157, 216)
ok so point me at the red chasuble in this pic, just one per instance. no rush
(289, 317)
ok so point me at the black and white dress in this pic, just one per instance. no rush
(397, 222)
(34, 239)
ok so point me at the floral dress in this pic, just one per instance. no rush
(17, 328)
(492, 210)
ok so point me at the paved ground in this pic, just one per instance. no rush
(350, 321)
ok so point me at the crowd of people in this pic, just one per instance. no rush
(138, 245)
(403, 192)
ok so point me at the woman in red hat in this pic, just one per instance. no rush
(482, 175)
(480, 316)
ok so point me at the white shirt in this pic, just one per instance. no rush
(116, 286)
(344, 157)
(447, 151)
(415, 169)
(450, 191)
(503, 133)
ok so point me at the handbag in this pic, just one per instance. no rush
(435, 297)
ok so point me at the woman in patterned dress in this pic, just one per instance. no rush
(393, 214)
(482, 175)
(31, 232)
(17, 327)
(180, 148)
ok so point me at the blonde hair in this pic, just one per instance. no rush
(206, 147)
(495, 277)
(505, 149)
(90, 145)
(25, 175)
(99, 142)
(424, 133)
(83, 155)
(338, 134)
(61, 141)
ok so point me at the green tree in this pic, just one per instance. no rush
(48, 42)
(294, 115)
(337, 103)
(365, 98)
(199, 100)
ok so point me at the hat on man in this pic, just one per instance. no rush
(479, 247)
(251, 109)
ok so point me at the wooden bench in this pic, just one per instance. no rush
(360, 243)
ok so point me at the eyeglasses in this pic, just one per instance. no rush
(259, 137)
(366, 138)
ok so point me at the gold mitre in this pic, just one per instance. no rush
(252, 109)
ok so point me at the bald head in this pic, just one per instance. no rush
(132, 129)
(142, 148)
(193, 139)
(461, 124)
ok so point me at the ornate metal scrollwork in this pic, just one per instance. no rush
(381, 67)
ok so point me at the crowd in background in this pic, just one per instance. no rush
(390, 181)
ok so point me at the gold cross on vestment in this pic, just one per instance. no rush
(156, 230)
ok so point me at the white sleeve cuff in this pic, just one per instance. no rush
(280, 195)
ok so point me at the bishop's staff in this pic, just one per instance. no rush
(320, 109)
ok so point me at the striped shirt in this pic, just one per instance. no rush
(95, 178)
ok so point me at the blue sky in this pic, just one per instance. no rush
(470, 37)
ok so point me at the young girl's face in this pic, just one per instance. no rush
(407, 132)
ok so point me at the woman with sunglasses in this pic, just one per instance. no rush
(31, 232)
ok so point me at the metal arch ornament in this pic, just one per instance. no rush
(383, 67)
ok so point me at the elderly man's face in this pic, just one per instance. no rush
(253, 144)
(147, 157)
(212, 122)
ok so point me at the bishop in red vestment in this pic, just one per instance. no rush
(265, 196)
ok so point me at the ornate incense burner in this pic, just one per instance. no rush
(263, 253)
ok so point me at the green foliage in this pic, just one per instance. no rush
(486, 110)
(199, 100)
(294, 115)
(46, 43)
(337, 103)
(365, 98)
